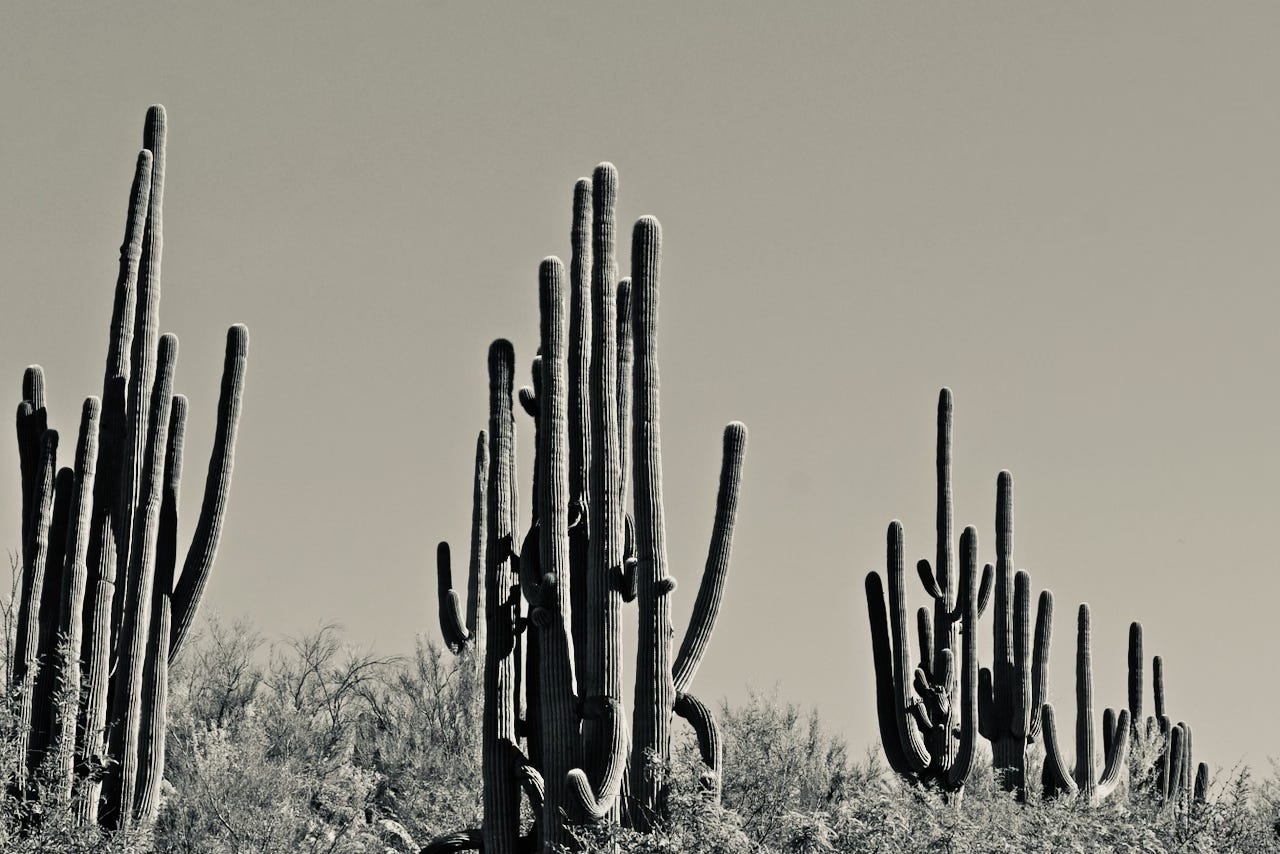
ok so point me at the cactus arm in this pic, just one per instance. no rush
(27, 651)
(155, 692)
(1040, 659)
(124, 304)
(42, 715)
(1021, 689)
(451, 843)
(452, 628)
(529, 401)
(1084, 705)
(1002, 661)
(1116, 755)
(1135, 673)
(1175, 764)
(31, 423)
(1157, 684)
(1108, 729)
(924, 641)
(626, 353)
(925, 570)
(913, 747)
(703, 721)
(1057, 777)
(882, 660)
(208, 532)
(475, 572)
(984, 590)
(944, 631)
(71, 607)
(594, 806)
(958, 773)
(986, 706)
(706, 606)
(1201, 793)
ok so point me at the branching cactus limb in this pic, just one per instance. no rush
(467, 632)
(1083, 780)
(1011, 692)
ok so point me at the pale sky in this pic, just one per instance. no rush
(1067, 213)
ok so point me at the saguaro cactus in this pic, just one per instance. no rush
(582, 557)
(928, 736)
(103, 609)
(1011, 692)
(1083, 779)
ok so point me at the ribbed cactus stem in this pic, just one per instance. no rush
(655, 690)
(1157, 685)
(51, 596)
(501, 793)
(944, 628)
(559, 724)
(71, 608)
(1135, 674)
(579, 378)
(602, 676)
(203, 550)
(966, 711)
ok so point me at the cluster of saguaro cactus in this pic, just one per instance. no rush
(1172, 779)
(554, 722)
(927, 725)
(103, 608)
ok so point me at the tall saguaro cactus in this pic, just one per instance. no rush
(1011, 691)
(928, 736)
(583, 558)
(104, 609)
(1083, 780)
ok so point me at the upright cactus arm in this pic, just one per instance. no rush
(958, 773)
(1201, 793)
(1157, 684)
(1135, 673)
(452, 626)
(886, 695)
(1058, 778)
(910, 740)
(51, 597)
(626, 356)
(706, 606)
(217, 488)
(31, 423)
(75, 578)
(1040, 660)
(579, 414)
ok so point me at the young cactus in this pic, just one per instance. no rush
(1083, 779)
(1011, 691)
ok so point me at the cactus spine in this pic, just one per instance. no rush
(100, 616)
(582, 557)
(1083, 779)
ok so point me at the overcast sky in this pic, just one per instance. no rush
(1067, 213)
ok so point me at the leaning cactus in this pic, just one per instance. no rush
(1083, 779)
(929, 735)
(103, 609)
(562, 733)
(1011, 692)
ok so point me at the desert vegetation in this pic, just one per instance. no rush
(130, 727)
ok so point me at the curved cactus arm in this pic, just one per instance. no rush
(985, 588)
(703, 721)
(528, 401)
(455, 633)
(451, 843)
(529, 565)
(1040, 660)
(882, 659)
(592, 805)
(1058, 778)
(1116, 756)
(706, 606)
(925, 570)
(217, 487)
(962, 762)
